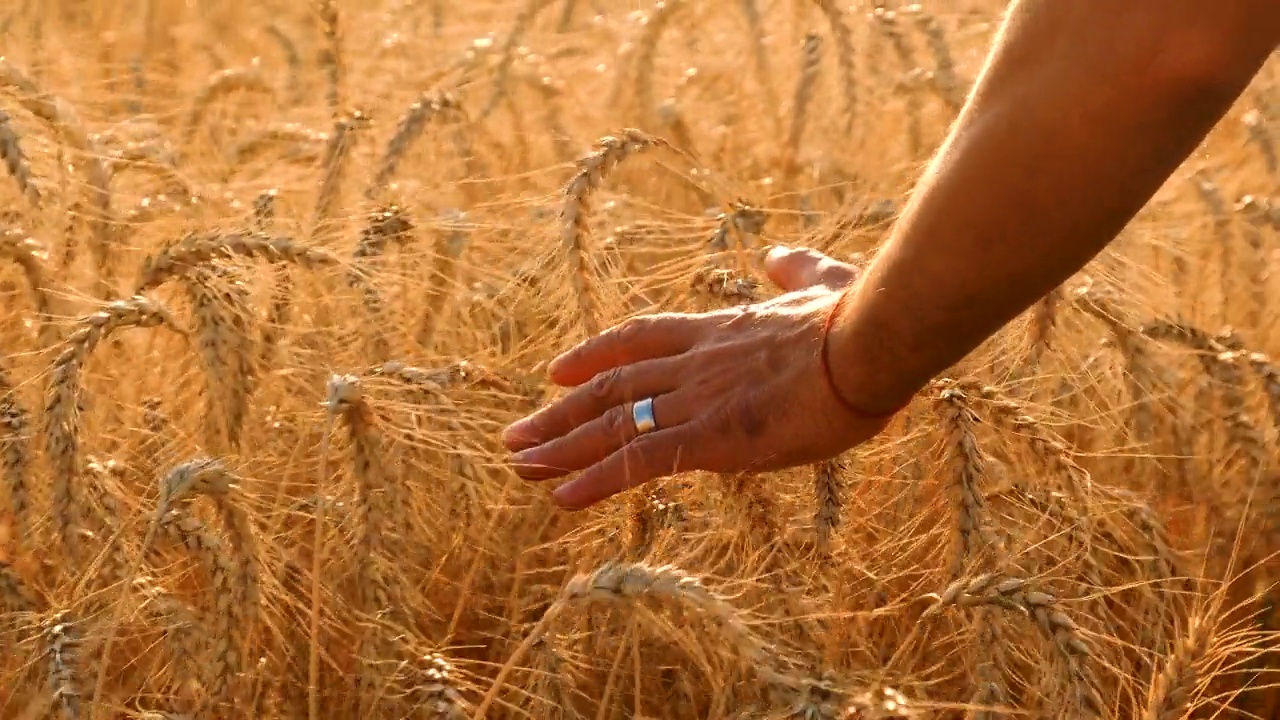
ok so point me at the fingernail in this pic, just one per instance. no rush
(555, 369)
(526, 467)
(519, 435)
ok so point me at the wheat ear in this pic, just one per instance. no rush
(449, 246)
(725, 285)
(218, 85)
(523, 21)
(764, 74)
(844, 58)
(182, 630)
(334, 169)
(800, 102)
(330, 58)
(1052, 451)
(437, 691)
(292, 58)
(657, 22)
(828, 494)
(550, 91)
(195, 250)
(1221, 358)
(207, 477)
(1017, 594)
(944, 80)
(887, 24)
(1211, 195)
(385, 226)
(62, 646)
(15, 455)
(345, 399)
(743, 222)
(574, 214)
(1141, 369)
(14, 159)
(964, 462)
(420, 114)
(62, 409)
(225, 636)
(220, 307)
(628, 583)
(58, 114)
(1255, 214)
(33, 259)
(302, 142)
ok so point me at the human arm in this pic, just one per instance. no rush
(1083, 109)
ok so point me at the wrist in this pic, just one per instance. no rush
(854, 361)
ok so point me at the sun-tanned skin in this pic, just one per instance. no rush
(1081, 112)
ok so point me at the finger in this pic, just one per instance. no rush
(590, 443)
(645, 337)
(648, 457)
(794, 269)
(591, 399)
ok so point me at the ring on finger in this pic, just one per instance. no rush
(642, 416)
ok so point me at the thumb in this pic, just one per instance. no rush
(794, 269)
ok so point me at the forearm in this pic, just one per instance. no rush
(1083, 110)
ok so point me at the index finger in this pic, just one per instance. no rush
(645, 337)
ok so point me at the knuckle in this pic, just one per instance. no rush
(739, 317)
(605, 385)
(615, 421)
(633, 330)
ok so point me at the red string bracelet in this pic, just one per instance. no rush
(830, 376)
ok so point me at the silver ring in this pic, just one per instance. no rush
(642, 416)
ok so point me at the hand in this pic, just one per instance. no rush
(735, 390)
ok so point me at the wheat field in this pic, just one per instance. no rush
(277, 275)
